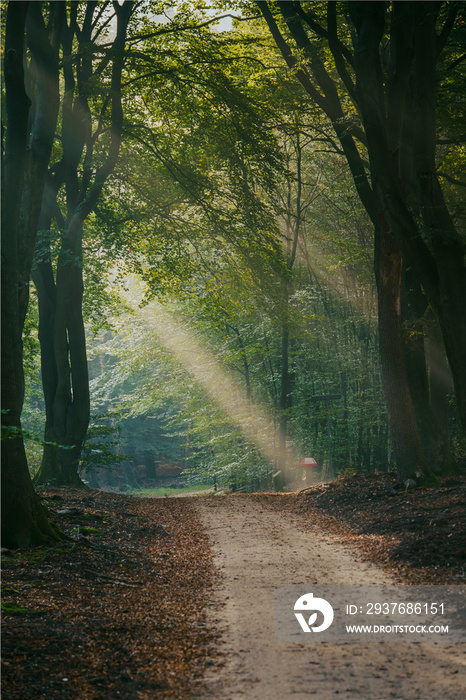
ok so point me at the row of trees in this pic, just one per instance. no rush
(224, 141)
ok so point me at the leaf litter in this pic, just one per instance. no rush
(117, 612)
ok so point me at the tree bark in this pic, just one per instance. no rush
(439, 229)
(293, 228)
(284, 402)
(434, 437)
(440, 381)
(24, 519)
(65, 381)
(410, 459)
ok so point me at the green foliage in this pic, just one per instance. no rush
(31, 345)
(11, 608)
(200, 151)
(451, 116)
(101, 444)
(214, 242)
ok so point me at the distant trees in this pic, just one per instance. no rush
(231, 292)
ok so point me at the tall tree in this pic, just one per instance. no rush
(82, 171)
(24, 163)
(388, 78)
(294, 213)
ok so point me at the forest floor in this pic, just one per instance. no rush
(164, 598)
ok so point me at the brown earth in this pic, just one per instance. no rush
(129, 607)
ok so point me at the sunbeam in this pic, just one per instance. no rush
(216, 381)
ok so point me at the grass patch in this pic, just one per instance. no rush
(87, 531)
(10, 608)
(169, 491)
(90, 517)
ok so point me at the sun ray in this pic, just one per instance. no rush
(216, 380)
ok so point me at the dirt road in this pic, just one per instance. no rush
(257, 549)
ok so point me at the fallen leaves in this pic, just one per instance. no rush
(122, 609)
(418, 534)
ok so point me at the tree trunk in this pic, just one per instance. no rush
(345, 430)
(439, 228)
(24, 520)
(407, 446)
(284, 402)
(65, 376)
(440, 381)
(244, 358)
(293, 226)
(434, 438)
(63, 344)
(150, 462)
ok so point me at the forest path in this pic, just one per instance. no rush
(256, 549)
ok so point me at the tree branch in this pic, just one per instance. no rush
(442, 38)
(337, 51)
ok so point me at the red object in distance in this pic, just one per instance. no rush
(308, 462)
